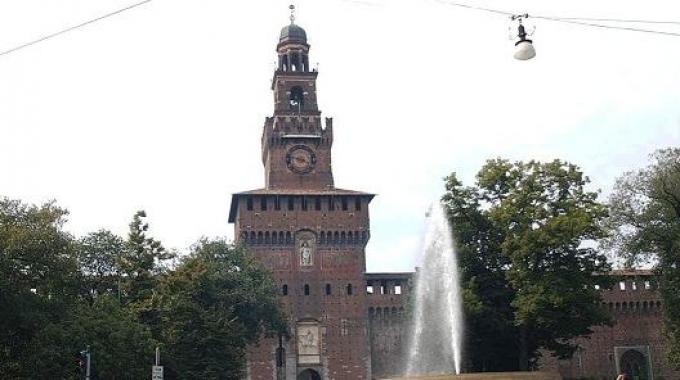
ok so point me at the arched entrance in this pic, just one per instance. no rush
(309, 374)
(634, 364)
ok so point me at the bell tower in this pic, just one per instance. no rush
(295, 145)
(309, 234)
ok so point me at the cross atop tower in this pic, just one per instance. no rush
(292, 13)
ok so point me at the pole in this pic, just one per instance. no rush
(158, 356)
(87, 369)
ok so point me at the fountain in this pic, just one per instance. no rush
(437, 324)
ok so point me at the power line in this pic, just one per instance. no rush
(628, 21)
(583, 21)
(73, 27)
(631, 29)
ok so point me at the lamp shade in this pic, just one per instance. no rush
(524, 50)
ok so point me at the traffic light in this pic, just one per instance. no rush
(80, 361)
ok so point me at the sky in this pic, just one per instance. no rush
(161, 107)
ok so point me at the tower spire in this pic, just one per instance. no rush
(292, 13)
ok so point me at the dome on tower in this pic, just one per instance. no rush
(293, 33)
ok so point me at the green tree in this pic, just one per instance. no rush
(98, 256)
(120, 346)
(141, 264)
(38, 277)
(645, 212)
(214, 304)
(525, 235)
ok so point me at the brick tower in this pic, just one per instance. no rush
(308, 233)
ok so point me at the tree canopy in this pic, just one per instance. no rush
(645, 214)
(525, 234)
(122, 298)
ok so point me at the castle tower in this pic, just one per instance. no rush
(308, 233)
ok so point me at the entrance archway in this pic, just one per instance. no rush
(309, 374)
(634, 364)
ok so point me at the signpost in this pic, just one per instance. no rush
(157, 370)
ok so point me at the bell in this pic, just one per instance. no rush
(524, 50)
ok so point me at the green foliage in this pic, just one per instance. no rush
(141, 262)
(645, 212)
(120, 346)
(528, 270)
(58, 295)
(215, 303)
(37, 277)
(98, 254)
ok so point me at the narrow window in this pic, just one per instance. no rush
(331, 204)
(622, 285)
(349, 289)
(633, 285)
(328, 289)
(397, 288)
(383, 288)
(369, 288)
(291, 204)
(284, 290)
(344, 203)
(317, 204)
(648, 285)
(304, 203)
(263, 203)
(249, 204)
(322, 238)
(306, 289)
(357, 204)
(277, 203)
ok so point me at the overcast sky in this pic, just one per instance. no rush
(161, 108)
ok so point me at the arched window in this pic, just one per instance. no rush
(267, 239)
(306, 289)
(328, 289)
(322, 238)
(296, 99)
(289, 239)
(284, 290)
(260, 237)
(349, 289)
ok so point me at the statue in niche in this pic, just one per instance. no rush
(305, 254)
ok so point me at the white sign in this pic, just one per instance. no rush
(157, 372)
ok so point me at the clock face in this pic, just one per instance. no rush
(300, 159)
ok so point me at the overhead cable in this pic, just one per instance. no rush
(583, 21)
(73, 27)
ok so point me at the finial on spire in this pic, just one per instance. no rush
(292, 13)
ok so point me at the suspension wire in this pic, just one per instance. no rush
(468, 6)
(583, 21)
(628, 21)
(73, 27)
(631, 29)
